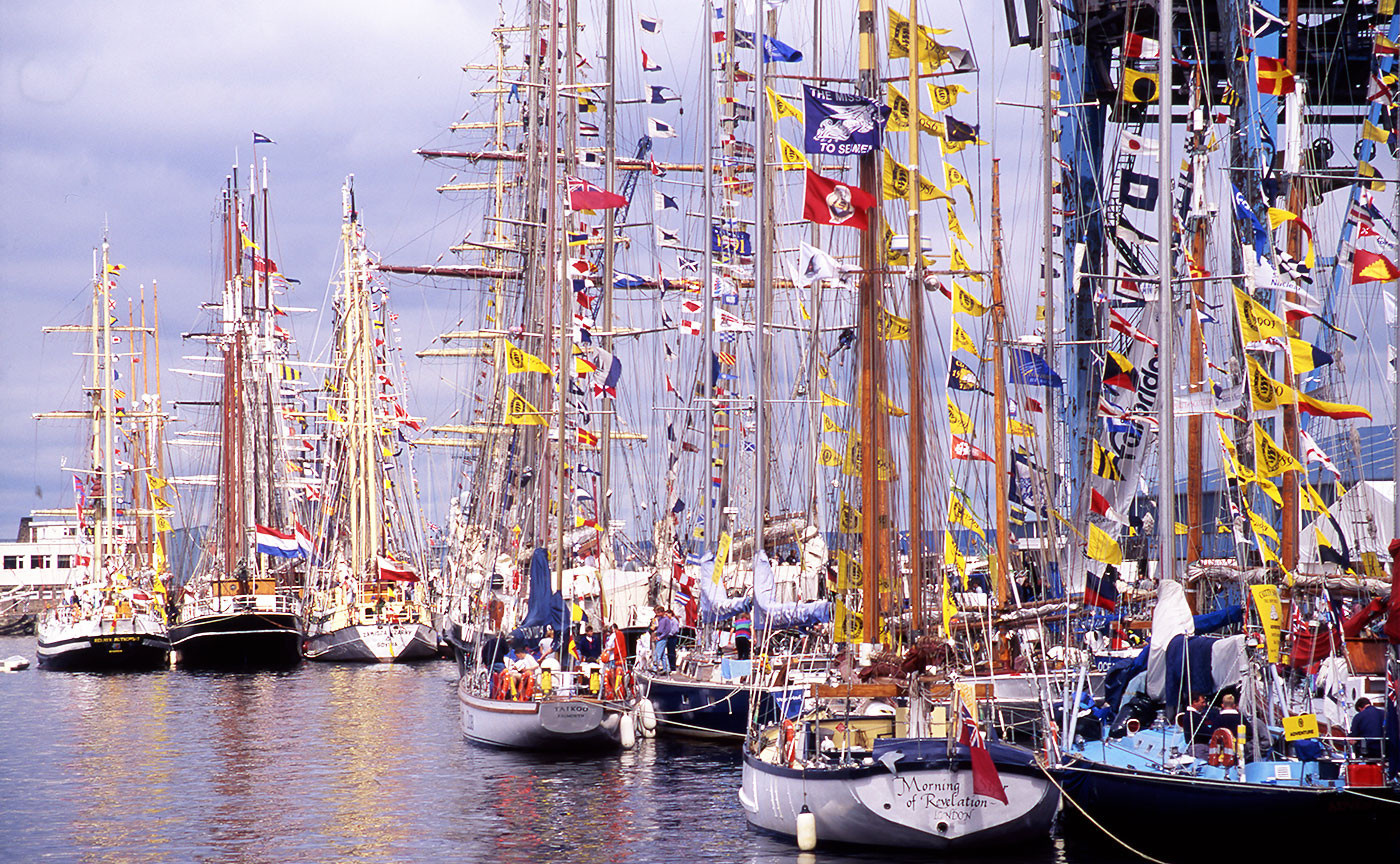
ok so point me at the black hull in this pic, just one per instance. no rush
(701, 710)
(1140, 808)
(107, 653)
(260, 640)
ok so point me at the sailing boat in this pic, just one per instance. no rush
(112, 616)
(370, 600)
(1199, 760)
(243, 605)
(900, 762)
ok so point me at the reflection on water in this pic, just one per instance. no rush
(341, 763)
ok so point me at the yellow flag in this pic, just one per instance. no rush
(952, 556)
(960, 423)
(890, 408)
(829, 425)
(848, 517)
(520, 412)
(518, 360)
(944, 97)
(1265, 393)
(953, 177)
(958, 514)
(1180, 528)
(721, 558)
(156, 482)
(850, 466)
(781, 108)
(963, 301)
(1271, 460)
(895, 183)
(333, 415)
(1265, 485)
(892, 326)
(954, 226)
(1139, 86)
(1372, 132)
(162, 524)
(950, 609)
(829, 455)
(1262, 527)
(1020, 428)
(1256, 322)
(963, 342)
(846, 623)
(792, 158)
(1266, 601)
(848, 575)
(899, 38)
(159, 502)
(822, 372)
(832, 402)
(1102, 547)
(1106, 463)
(956, 262)
(1310, 500)
(899, 114)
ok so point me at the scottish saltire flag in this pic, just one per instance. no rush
(841, 124)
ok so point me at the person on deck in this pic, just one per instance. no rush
(666, 629)
(522, 673)
(1195, 724)
(743, 637)
(547, 643)
(1368, 728)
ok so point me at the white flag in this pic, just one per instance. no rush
(660, 129)
(1315, 454)
(1139, 145)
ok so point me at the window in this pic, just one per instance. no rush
(65, 562)
(14, 562)
(38, 562)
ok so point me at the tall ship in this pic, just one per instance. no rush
(242, 607)
(370, 591)
(111, 614)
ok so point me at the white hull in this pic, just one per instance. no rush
(929, 805)
(373, 643)
(102, 643)
(567, 723)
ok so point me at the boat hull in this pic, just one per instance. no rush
(373, 643)
(700, 709)
(102, 646)
(1121, 800)
(568, 724)
(926, 803)
(238, 640)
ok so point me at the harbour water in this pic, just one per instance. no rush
(345, 763)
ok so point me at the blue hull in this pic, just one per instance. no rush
(1155, 812)
(703, 710)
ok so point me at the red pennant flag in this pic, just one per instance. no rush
(831, 202)
(963, 450)
(1372, 267)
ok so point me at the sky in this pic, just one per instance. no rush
(126, 117)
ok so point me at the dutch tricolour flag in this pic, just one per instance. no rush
(277, 544)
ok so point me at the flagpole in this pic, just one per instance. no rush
(1050, 533)
(1003, 556)
(760, 273)
(708, 492)
(916, 336)
(1288, 551)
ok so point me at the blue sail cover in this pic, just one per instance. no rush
(546, 606)
(771, 614)
(1122, 672)
(715, 605)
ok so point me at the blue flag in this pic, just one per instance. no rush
(1245, 213)
(841, 124)
(1031, 369)
(775, 51)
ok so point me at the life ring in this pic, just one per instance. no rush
(1222, 748)
(789, 742)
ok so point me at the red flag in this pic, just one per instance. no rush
(1392, 617)
(1101, 506)
(831, 202)
(1372, 267)
(1123, 325)
(392, 571)
(1274, 78)
(1034, 405)
(586, 196)
(964, 450)
(985, 779)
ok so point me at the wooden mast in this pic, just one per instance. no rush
(1195, 424)
(916, 335)
(999, 367)
(1288, 538)
(873, 564)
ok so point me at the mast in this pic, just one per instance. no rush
(1288, 537)
(1051, 550)
(1166, 366)
(1195, 424)
(873, 562)
(554, 280)
(711, 529)
(761, 290)
(604, 501)
(999, 367)
(916, 334)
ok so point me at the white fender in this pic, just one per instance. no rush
(646, 713)
(626, 733)
(806, 830)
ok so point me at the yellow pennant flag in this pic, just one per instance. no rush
(1371, 132)
(721, 558)
(950, 609)
(944, 97)
(890, 408)
(958, 514)
(1265, 393)
(963, 301)
(952, 556)
(953, 177)
(954, 226)
(847, 517)
(899, 114)
(850, 466)
(1262, 527)
(162, 524)
(960, 423)
(963, 342)
(899, 38)
(892, 326)
(781, 108)
(1256, 321)
(895, 183)
(1020, 428)
(1310, 500)
(830, 456)
(848, 574)
(519, 412)
(1265, 485)
(518, 360)
(846, 623)
(333, 415)
(792, 158)
(1271, 460)
(156, 482)
(956, 262)
(822, 372)
(829, 425)
(832, 402)
(159, 502)
(1102, 547)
